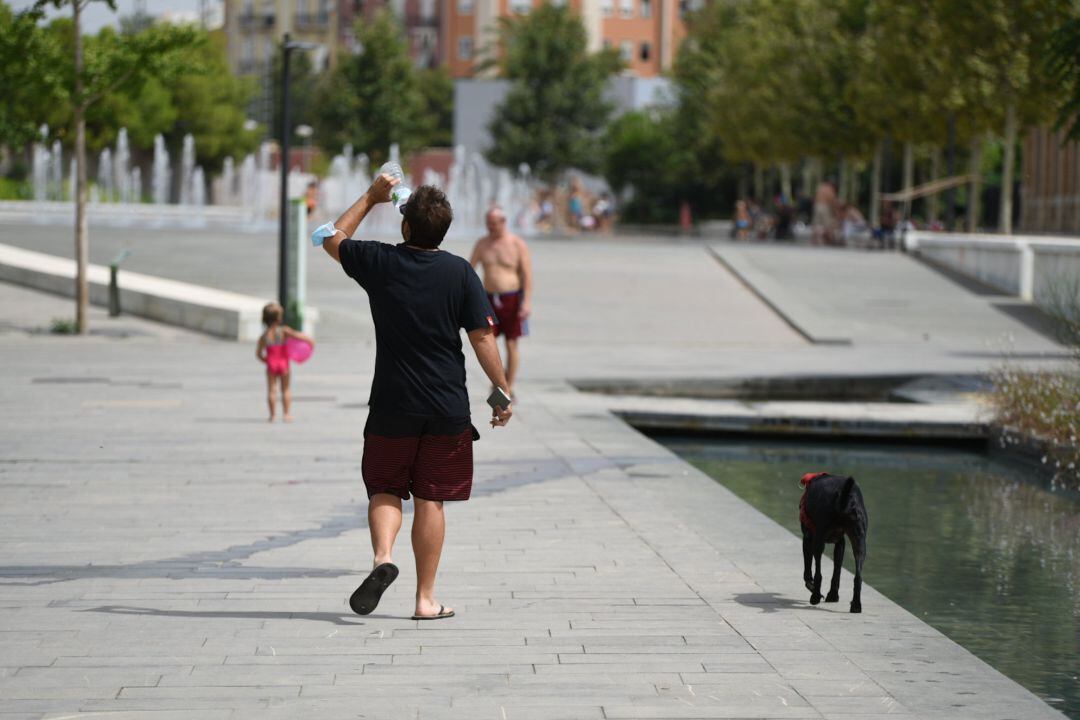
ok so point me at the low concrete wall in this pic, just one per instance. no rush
(215, 312)
(1035, 268)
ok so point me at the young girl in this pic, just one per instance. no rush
(272, 351)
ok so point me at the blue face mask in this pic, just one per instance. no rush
(322, 232)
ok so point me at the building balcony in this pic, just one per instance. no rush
(256, 21)
(312, 21)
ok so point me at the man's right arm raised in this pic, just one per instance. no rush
(346, 225)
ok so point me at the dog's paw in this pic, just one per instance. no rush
(815, 598)
(832, 597)
(856, 607)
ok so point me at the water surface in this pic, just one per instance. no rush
(967, 544)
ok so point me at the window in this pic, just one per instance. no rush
(626, 9)
(248, 53)
(558, 3)
(521, 7)
(645, 52)
(626, 51)
(427, 10)
(465, 7)
(465, 47)
(646, 9)
(607, 8)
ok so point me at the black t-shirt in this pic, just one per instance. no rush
(420, 300)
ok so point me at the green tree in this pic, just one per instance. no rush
(302, 81)
(1063, 67)
(111, 64)
(638, 151)
(770, 80)
(211, 104)
(1006, 48)
(554, 113)
(29, 58)
(373, 98)
(437, 87)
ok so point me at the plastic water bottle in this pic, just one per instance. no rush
(399, 194)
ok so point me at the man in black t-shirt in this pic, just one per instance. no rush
(418, 438)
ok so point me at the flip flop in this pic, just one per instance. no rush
(443, 613)
(366, 597)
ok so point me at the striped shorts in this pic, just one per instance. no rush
(431, 457)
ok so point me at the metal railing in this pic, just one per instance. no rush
(312, 20)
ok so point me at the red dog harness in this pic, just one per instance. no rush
(804, 517)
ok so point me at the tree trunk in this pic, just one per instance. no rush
(975, 188)
(1005, 220)
(842, 190)
(82, 241)
(853, 184)
(809, 181)
(909, 175)
(950, 169)
(785, 183)
(935, 172)
(875, 185)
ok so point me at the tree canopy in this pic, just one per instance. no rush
(555, 111)
(373, 98)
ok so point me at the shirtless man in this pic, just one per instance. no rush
(508, 282)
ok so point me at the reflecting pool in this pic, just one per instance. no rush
(966, 543)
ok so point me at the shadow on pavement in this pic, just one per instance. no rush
(334, 618)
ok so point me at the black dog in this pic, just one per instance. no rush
(831, 508)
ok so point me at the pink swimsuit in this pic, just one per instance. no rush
(277, 359)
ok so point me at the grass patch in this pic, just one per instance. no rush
(63, 326)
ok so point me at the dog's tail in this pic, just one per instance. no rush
(845, 494)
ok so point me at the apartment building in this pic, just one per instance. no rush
(419, 18)
(645, 32)
(254, 30)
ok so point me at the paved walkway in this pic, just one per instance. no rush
(835, 295)
(166, 553)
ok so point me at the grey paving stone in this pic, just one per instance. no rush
(210, 555)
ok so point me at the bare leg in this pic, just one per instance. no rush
(513, 359)
(271, 394)
(384, 521)
(428, 531)
(286, 396)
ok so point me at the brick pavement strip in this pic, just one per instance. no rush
(167, 553)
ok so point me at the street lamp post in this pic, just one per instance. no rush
(287, 46)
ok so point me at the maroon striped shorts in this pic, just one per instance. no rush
(431, 457)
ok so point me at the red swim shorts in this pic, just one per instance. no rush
(506, 307)
(430, 457)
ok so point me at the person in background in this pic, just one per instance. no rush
(272, 352)
(507, 268)
(742, 220)
(311, 197)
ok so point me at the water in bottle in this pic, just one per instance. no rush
(399, 194)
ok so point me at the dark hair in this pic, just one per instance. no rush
(273, 313)
(429, 216)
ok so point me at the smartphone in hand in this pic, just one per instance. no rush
(498, 399)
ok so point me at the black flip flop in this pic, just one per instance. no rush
(367, 596)
(443, 614)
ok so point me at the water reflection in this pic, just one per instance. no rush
(989, 559)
